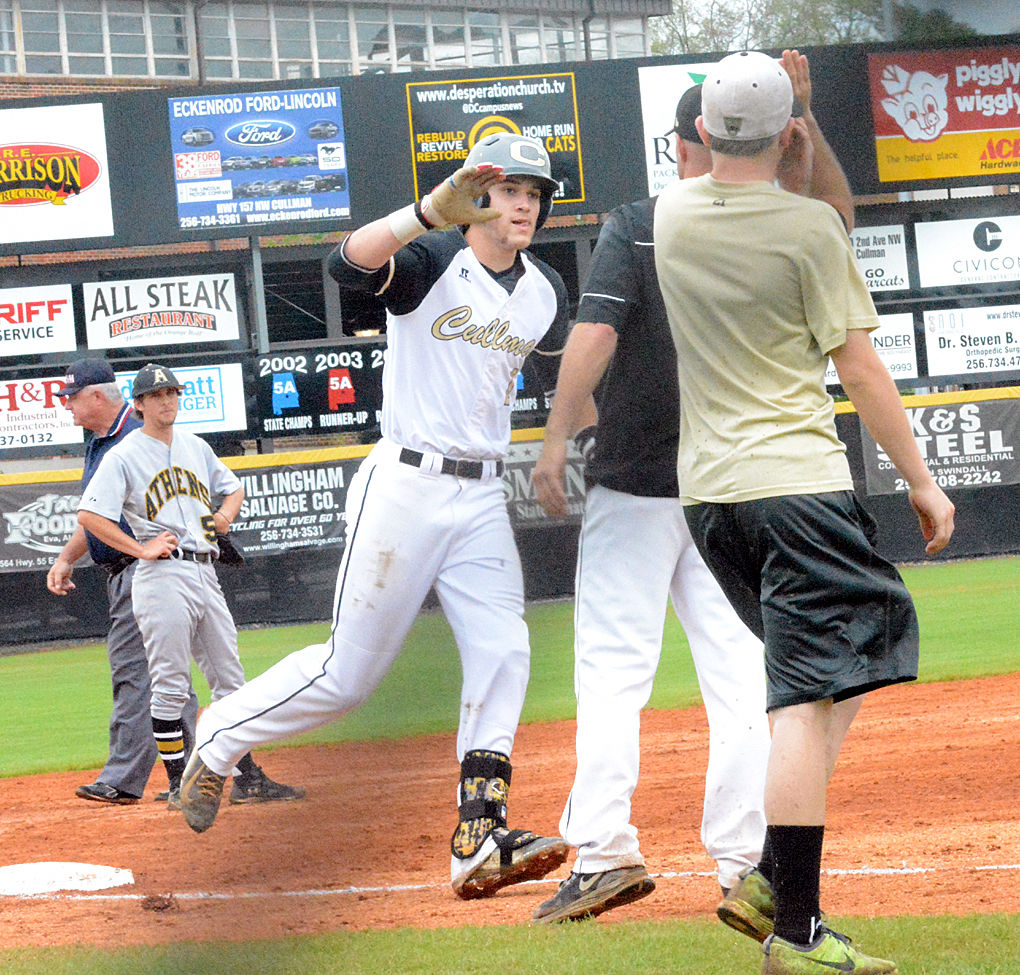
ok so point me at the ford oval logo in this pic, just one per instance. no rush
(260, 133)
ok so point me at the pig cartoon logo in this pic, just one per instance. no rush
(916, 101)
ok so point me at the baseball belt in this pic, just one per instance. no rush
(189, 556)
(459, 467)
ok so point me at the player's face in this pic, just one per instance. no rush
(159, 408)
(519, 200)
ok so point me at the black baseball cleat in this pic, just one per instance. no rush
(256, 786)
(584, 895)
(101, 792)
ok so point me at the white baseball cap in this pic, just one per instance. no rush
(746, 96)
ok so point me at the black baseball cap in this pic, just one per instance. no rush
(153, 377)
(687, 110)
(86, 372)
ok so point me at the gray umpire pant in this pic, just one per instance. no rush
(132, 747)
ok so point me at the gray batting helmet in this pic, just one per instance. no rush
(153, 377)
(517, 155)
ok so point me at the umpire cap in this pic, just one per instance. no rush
(86, 372)
(153, 377)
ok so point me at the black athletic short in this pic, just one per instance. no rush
(803, 574)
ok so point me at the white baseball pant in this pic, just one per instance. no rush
(407, 529)
(634, 551)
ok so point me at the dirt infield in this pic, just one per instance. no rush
(923, 819)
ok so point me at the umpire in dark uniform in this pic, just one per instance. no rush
(92, 396)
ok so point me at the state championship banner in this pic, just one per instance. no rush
(945, 114)
(524, 509)
(54, 175)
(259, 157)
(37, 521)
(660, 88)
(36, 321)
(965, 445)
(446, 119)
(334, 390)
(161, 311)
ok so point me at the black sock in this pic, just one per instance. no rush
(797, 862)
(246, 764)
(169, 737)
(766, 865)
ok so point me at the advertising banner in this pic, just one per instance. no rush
(976, 251)
(525, 511)
(54, 176)
(335, 390)
(446, 119)
(294, 506)
(947, 113)
(31, 415)
(967, 340)
(896, 347)
(261, 157)
(38, 519)
(964, 445)
(213, 397)
(36, 321)
(881, 253)
(661, 87)
(161, 311)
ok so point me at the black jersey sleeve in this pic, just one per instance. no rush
(614, 282)
(544, 361)
(403, 281)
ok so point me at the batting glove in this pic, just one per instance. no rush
(453, 200)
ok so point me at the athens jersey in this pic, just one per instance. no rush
(457, 341)
(160, 488)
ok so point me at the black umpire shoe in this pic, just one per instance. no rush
(101, 792)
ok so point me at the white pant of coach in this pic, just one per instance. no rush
(634, 552)
(408, 528)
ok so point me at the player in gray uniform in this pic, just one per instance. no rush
(163, 482)
(93, 398)
(426, 507)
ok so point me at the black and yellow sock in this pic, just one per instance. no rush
(169, 737)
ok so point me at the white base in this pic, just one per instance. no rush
(21, 879)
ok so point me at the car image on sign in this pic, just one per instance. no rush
(323, 129)
(197, 137)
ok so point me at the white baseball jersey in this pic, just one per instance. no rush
(457, 341)
(159, 488)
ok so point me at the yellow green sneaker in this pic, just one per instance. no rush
(748, 906)
(831, 953)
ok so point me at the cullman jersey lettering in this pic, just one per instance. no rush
(177, 499)
(457, 339)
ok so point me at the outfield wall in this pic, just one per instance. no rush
(291, 528)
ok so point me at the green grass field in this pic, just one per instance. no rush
(57, 705)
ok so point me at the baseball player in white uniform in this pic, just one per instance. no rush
(164, 482)
(426, 507)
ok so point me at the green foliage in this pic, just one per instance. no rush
(709, 26)
(930, 28)
(58, 702)
(975, 945)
